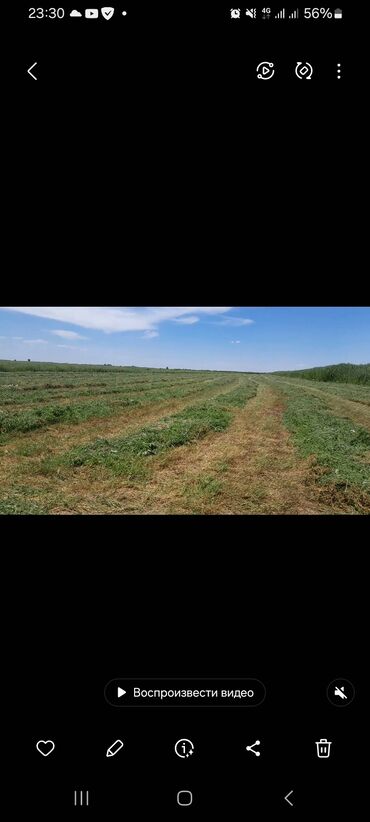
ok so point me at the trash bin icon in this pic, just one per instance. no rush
(323, 749)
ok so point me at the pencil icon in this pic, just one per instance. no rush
(117, 745)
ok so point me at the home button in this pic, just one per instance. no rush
(185, 798)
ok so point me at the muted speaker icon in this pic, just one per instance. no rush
(340, 692)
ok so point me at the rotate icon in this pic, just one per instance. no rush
(304, 71)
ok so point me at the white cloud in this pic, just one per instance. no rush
(235, 321)
(187, 320)
(35, 342)
(150, 334)
(117, 319)
(71, 347)
(17, 338)
(69, 335)
(235, 342)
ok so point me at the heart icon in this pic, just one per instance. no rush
(45, 747)
(107, 12)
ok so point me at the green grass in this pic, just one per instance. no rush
(130, 455)
(18, 505)
(238, 398)
(28, 391)
(53, 367)
(345, 391)
(203, 490)
(338, 444)
(20, 500)
(38, 476)
(49, 413)
(30, 449)
(343, 372)
(56, 367)
(53, 414)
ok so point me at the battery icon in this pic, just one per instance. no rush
(338, 14)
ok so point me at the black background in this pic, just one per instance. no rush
(168, 50)
(170, 597)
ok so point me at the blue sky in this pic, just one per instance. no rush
(220, 338)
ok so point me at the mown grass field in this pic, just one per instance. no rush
(98, 440)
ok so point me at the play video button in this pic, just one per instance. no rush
(265, 71)
(130, 692)
(118, 692)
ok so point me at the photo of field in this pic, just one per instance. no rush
(105, 439)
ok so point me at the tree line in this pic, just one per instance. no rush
(343, 372)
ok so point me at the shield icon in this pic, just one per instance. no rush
(107, 12)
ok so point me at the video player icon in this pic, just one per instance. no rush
(265, 71)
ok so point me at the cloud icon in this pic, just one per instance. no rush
(75, 13)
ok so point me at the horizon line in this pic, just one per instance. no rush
(167, 368)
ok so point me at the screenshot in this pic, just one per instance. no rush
(172, 478)
(167, 50)
(192, 411)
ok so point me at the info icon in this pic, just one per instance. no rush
(184, 748)
(340, 692)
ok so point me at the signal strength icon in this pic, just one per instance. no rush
(280, 15)
(294, 15)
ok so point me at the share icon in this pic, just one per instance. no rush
(251, 748)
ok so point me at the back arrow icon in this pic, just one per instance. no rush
(287, 798)
(29, 71)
